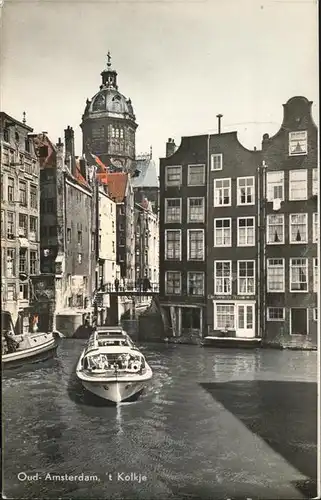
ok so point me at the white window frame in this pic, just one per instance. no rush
(274, 179)
(189, 231)
(315, 182)
(268, 316)
(232, 306)
(315, 226)
(275, 266)
(299, 182)
(229, 187)
(214, 157)
(200, 273)
(166, 211)
(167, 170)
(315, 275)
(222, 278)
(246, 278)
(251, 189)
(180, 282)
(238, 232)
(269, 226)
(222, 230)
(189, 173)
(180, 244)
(189, 209)
(304, 137)
(294, 266)
(294, 242)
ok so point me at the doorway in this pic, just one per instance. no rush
(299, 321)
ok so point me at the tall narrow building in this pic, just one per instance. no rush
(109, 124)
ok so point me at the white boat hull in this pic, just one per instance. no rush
(42, 350)
(115, 392)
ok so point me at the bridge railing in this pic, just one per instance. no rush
(129, 287)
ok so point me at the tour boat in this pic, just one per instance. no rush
(20, 349)
(112, 367)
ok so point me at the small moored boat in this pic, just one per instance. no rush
(20, 349)
(112, 367)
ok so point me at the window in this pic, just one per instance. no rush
(222, 232)
(33, 228)
(298, 275)
(33, 262)
(23, 194)
(173, 244)
(33, 197)
(223, 277)
(216, 162)
(11, 263)
(245, 277)
(275, 314)
(23, 225)
(298, 185)
(245, 231)
(275, 229)
(11, 295)
(50, 205)
(222, 192)
(195, 244)
(315, 227)
(315, 275)
(173, 176)
(275, 185)
(275, 275)
(315, 314)
(27, 144)
(224, 318)
(195, 283)
(298, 228)
(173, 210)
(315, 182)
(6, 135)
(196, 175)
(298, 143)
(79, 300)
(245, 191)
(195, 209)
(11, 225)
(23, 260)
(10, 190)
(3, 229)
(79, 239)
(79, 258)
(23, 291)
(69, 235)
(172, 283)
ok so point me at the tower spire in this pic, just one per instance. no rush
(108, 59)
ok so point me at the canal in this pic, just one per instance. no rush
(211, 424)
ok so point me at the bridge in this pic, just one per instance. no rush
(142, 290)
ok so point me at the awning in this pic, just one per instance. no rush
(24, 242)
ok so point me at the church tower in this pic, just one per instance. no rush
(109, 124)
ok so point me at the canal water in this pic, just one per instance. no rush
(211, 424)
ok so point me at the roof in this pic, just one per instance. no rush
(117, 184)
(147, 175)
(110, 101)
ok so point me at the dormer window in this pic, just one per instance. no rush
(298, 143)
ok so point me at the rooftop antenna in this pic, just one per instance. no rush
(24, 117)
(151, 152)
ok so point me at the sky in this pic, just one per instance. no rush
(181, 62)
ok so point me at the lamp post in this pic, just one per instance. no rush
(261, 267)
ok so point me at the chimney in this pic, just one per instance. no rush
(219, 118)
(69, 142)
(170, 147)
(82, 166)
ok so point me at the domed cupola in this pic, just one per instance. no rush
(109, 123)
